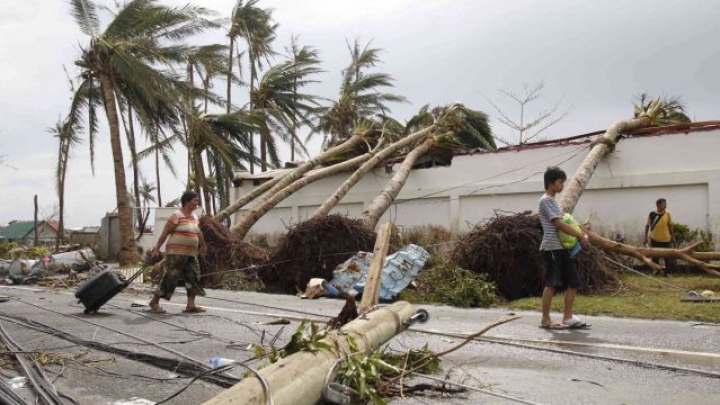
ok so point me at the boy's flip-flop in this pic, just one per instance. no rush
(574, 323)
(552, 326)
(155, 311)
(196, 310)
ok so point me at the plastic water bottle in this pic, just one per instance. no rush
(575, 250)
(216, 362)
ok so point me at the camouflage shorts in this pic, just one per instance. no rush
(179, 267)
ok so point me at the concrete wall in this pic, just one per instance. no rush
(682, 167)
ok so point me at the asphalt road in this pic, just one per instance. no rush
(617, 361)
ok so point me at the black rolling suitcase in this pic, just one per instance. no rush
(100, 289)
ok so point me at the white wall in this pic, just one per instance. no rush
(682, 167)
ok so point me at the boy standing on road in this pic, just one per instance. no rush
(561, 271)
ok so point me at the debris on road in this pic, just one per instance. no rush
(400, 269)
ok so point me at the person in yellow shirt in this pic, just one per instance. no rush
(659, 231)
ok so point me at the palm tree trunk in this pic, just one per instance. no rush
(243, 227)
(128, 252)
(281, 182)
(252, 107)
(263, 152)
(338, 195)
(63, 155)
(35, 227)
(229, 76)
(382, 202)
(200, 176)
(133, 157)
(244, 200)
(157, 172)
(603, 145)
(285, 181)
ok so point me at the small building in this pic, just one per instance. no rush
(23, 232)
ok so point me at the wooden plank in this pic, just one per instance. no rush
(371, 294)
(700, 299)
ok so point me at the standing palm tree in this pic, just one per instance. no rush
(67, 140)
(225, 136)
(299, 56)
(277, 101)
(123, 57)
(207, 61)
(256, 27)
(359, 96)
(146, 197)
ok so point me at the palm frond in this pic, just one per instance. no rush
(85, 14)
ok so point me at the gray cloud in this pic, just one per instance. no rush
(594, 55)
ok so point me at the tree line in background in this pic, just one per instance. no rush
(150, 84)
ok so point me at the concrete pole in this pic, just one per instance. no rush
(371, 294)
(298, 379)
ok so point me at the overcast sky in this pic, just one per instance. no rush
(594, 57)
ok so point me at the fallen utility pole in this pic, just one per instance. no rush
(298, 379)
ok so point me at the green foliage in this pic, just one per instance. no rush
(402, 360)
(368, 374)
(306, 338)
(685, 235)
(661, 111)
(5, 248)
(37, 252)
(444, 282)
(239, 281)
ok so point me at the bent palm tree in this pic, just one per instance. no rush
(456, 127)
(647, 113)
(124, 56)
(378, 157)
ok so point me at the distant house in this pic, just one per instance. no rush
(23, 232)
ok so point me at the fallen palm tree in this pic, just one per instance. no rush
(283, 181)
(455, 127)
(647, 113)
(506, 248)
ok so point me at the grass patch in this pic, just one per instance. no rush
(641, 297)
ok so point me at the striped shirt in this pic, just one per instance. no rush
(184, 238)
(549, 210)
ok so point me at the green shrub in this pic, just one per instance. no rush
(5, 248)
(239, 281)
(38, 252)
(684, 235)
(444, 282)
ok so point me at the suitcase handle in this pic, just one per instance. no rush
(136, 275)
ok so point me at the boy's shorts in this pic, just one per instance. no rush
(560, 270)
